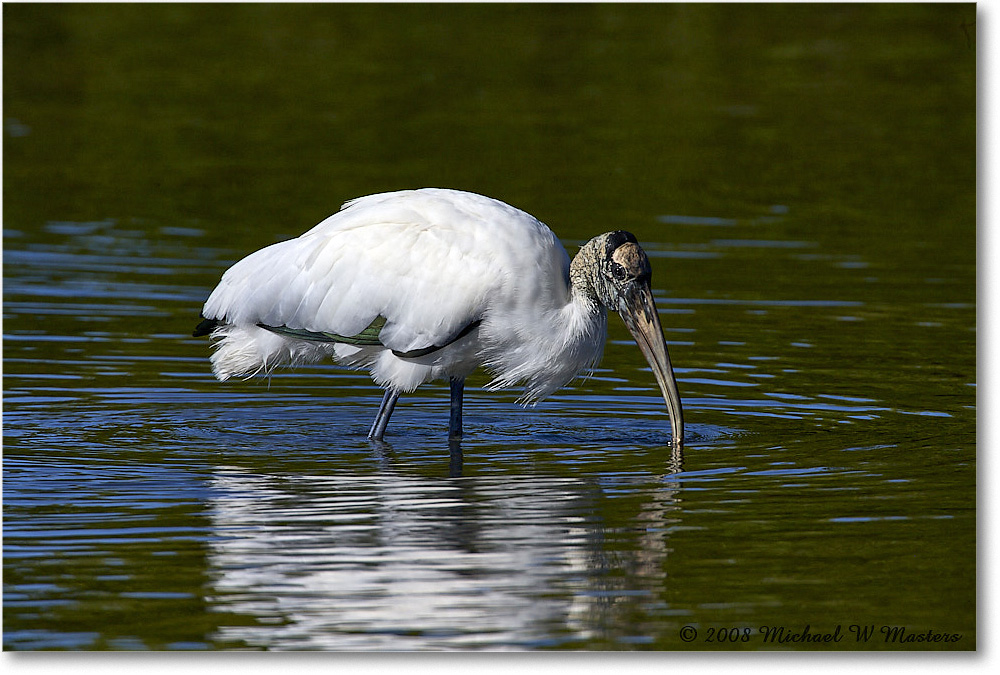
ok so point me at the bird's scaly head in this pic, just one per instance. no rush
(614, 270)
(607, 264)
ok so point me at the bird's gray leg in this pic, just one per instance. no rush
(455, 422)
(384, 412)
(455, 458)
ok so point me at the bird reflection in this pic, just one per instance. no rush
(385, 455)
(397, 561)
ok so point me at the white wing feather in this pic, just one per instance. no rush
(428, 271)
(431, 262)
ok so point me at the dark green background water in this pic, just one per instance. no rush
(803, 177)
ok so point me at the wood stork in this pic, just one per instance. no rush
(429, 284)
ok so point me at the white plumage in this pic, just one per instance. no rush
(460, 281)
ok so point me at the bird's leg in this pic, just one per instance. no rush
(455, 458)
(455, 421)
(384, 412)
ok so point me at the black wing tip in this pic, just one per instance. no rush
(206, 327)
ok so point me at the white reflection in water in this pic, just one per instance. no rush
(391, 562)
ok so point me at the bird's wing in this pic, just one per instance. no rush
(427, 265)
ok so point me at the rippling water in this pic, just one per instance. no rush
(824, 342)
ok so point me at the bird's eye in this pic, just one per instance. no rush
(618, 272)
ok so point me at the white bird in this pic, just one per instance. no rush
(431, 284)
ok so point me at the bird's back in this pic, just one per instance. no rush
(430, 262)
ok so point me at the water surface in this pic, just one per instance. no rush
(802, 177)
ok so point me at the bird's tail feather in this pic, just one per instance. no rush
(246, 351)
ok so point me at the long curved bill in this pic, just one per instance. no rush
(639, 313)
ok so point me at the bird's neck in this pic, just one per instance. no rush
(586, 317)
(550, 348)
(583, 285)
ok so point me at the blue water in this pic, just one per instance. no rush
(802, 177)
